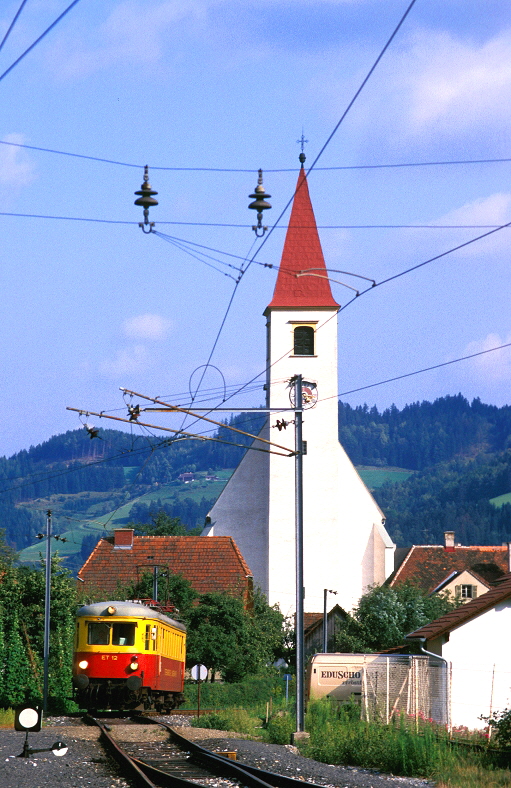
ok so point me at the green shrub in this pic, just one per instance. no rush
(238, 720)
(252, 692)
(214, 720)
(279, 728)
(339, 736)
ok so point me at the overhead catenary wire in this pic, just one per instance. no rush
(370, 289)
(419, 371)
(9, 29)
(330, 137)
(38, 40)
(248, 226)
(383, 166)
(337, 125)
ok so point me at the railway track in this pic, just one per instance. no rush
(180, 763)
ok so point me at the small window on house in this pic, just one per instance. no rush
(303, 341)
(468, 592)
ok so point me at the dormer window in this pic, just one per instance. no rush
(303, 341)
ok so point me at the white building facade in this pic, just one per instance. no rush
(346, 546)
(475, 639)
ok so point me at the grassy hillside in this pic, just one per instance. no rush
(376, 477)
(435, 466)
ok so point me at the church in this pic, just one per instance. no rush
(346, 546)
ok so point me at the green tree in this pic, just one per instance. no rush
(231, 640)
(174, 589)
(161, 525)
(21, 642)
(219, 635)
(267, 633)
(384, 616)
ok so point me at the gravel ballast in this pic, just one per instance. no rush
(86, 763)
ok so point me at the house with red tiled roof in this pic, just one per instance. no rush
(475, 640)
(465, 572)
(214, 564)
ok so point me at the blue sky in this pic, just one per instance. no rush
(89, 307)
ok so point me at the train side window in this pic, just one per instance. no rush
(147, 636)
(77, 633)
(123, 634)
(98, 634)
(154, 636)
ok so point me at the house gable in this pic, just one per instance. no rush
(434, 567)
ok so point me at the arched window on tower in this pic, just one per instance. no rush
(303, 341)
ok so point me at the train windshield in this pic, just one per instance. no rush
(98, 634)
(123, 635)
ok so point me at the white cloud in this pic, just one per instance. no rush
(492, 210)
(147, 326)
(491, 368)
(126, 361)
(16, 168)
(134, 31)
(459, 83)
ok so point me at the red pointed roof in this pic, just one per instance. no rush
(302, 252)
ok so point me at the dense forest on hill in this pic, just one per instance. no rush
(459, 452)
(424, 433)
(462, 454)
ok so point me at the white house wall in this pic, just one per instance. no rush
(481, 671)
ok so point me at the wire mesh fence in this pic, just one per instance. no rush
(417, 686)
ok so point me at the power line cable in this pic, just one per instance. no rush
(369, 289)
(418, 371)
(247, 226)
(30, 48)
(196, 257)
(18, 12)
(329, 139)
(337, 126)
(363, 84)
(396, 165)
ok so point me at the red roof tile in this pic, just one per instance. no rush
(469, 610)
(428, 566)
(302, 252)
(210, 563)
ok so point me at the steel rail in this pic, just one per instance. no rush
(126, 763)
(240, 771)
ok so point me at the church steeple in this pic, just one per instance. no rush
(302, 279)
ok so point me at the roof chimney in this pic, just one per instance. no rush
(449, 541)
(123, 538)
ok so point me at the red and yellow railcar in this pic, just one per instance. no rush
(128, 655)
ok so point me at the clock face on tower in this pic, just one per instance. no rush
(309, 394)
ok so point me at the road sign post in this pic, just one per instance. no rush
(199, 673)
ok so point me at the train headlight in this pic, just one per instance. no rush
(133, 664)
(83, 664)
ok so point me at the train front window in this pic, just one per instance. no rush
(98, 634)
(123, 635)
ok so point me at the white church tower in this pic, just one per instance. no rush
(346, 546)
